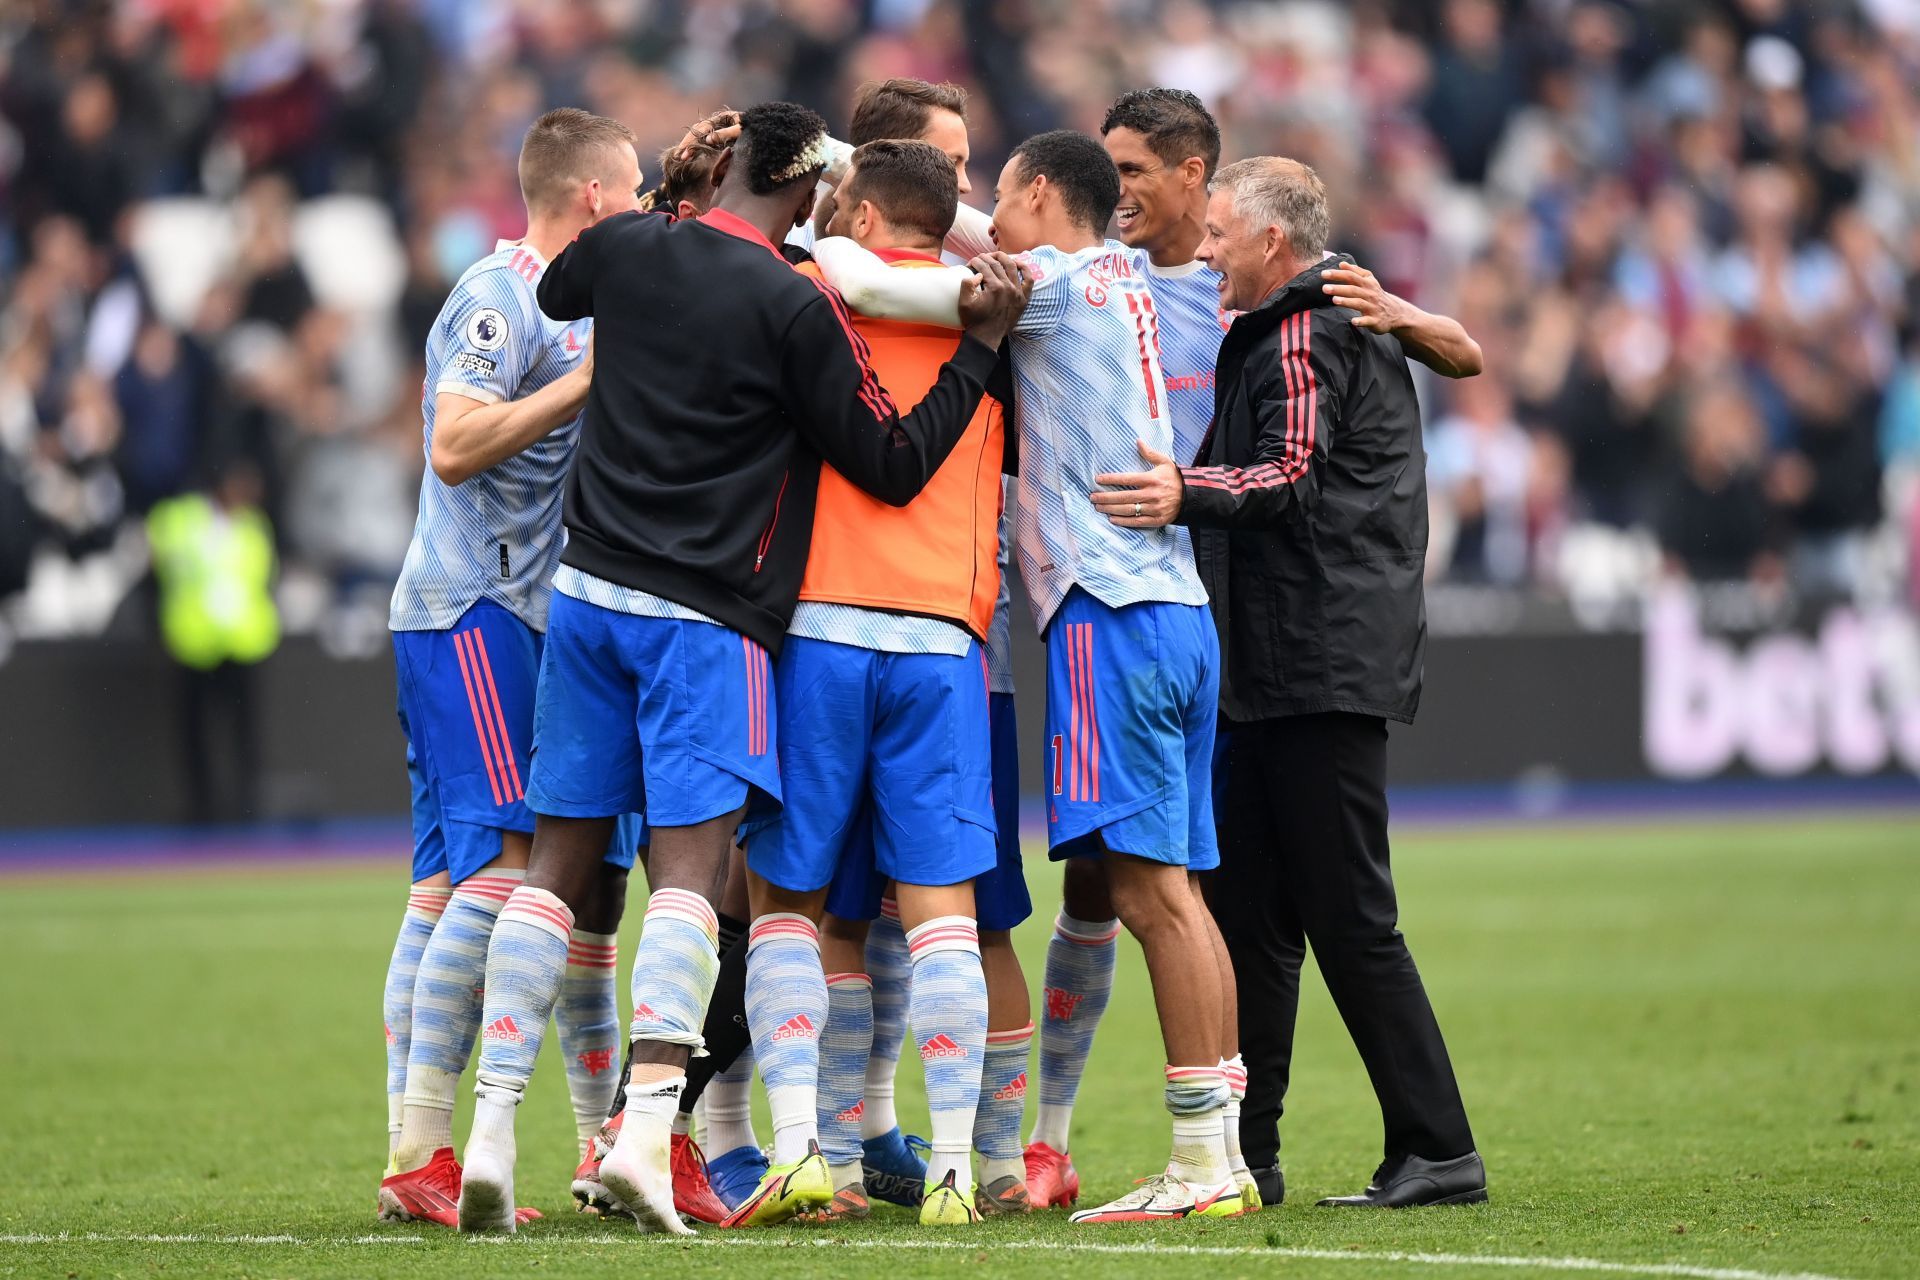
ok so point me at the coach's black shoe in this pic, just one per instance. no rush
(1272, 1185)
(1411, 1181)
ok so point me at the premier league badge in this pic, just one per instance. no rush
(487, 330)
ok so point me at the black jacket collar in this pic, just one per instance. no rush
(1302, 293)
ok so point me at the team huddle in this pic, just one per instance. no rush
(709, 575)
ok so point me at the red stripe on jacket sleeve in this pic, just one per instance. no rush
(1302, 410)
(872, 394)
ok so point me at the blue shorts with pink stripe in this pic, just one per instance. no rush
(1132, 704)
(466, 699)
(669, 717)
(466, 706)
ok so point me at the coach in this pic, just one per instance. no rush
(1309, 511)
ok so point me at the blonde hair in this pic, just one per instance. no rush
(566, 147)
(1273, 191)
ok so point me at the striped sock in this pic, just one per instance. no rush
(526, 963)
(1197, 1097)
(1234, 1071)
(1079, 978)
(726, 1108)
(948, 1009)
(425, 905)
(1003, 1098)
(786, 1007)
(446, 1011)
(892, 972)
(844, 1049)
(588, 1019)
(674, 968)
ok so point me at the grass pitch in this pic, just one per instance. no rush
(1687, 1050)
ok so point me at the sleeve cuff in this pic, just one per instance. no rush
(484, 395)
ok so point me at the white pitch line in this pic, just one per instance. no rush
(1588, 1265)
(108, 1237)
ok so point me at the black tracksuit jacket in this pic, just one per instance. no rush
(721, 378)
(1308, 504)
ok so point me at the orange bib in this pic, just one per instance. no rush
(938, 556)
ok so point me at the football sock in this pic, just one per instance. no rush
(446, 1011)
(1197, 1098)
(725, 1029)
(425, 905)
(891, 970)
(1003, 1098)
(1234, 1071)
(673, 971)
(682, 1122)
(526, 962)
(726, 1120)
(588, 1019)
(1079, 978)
(786, 1007)
(844, 1048)
(652, 1108)
(948, 1009)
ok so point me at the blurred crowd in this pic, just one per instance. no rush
(1687, 234)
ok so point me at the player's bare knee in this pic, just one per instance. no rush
(567, 855)
(606, 902)
(769, 899)
(693, 858)
(1085, 893)
(1151, 898)
(920, 903)
(516, 847)
(841, 930)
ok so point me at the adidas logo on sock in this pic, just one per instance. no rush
(1015, 1088)
(941, 1046)
(596, 1060)
(853, 1112)
(645, 1011)
(389, 1030)
(1060, 1003)
(798, 1026)
(503, 1029)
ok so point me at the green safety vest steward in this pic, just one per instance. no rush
(215, 571)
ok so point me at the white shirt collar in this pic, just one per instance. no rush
(1175, 273)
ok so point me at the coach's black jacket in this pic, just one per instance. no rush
(1309, 511)
(721, 377)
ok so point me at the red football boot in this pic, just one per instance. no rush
(590, 1195)
(1052, 1181)
(431, 1193)
(693, 1195)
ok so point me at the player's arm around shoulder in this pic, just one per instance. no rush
(873, 288)
(1294, 382)
(1439, 342)
(494, 337)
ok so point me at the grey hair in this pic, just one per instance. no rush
(1273, 191)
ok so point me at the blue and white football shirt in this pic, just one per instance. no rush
(497, 535)
(1088, 386)
(1191, 329)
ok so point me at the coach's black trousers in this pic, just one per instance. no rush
(1304, 862)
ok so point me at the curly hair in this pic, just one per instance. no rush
(781, 144)
(686, 168)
